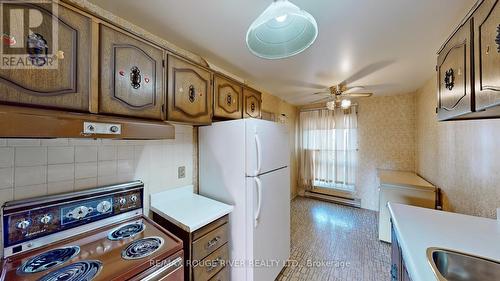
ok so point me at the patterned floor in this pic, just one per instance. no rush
(335, 243)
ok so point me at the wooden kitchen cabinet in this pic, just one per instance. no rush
(227, 98)
(132, 75)
(206, 250)
(252, 103)
(398, 269)
(55, 72)
(455, 91)
(487, 54)
(189, 92)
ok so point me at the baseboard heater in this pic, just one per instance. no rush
(352, 202)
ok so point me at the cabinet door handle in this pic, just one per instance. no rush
(497, 39)
(449, 79)
(213, 242)
(135, 77)
(192, 93)
(215, 264)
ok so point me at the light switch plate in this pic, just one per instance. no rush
(181, 172)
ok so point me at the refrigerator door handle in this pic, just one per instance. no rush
(259, 200)
(259, 154)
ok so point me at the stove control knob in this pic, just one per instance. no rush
(45, 219)
(123, 201)
(23, 224)
(133, 198)
(103, 207)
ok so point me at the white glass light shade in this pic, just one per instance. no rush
(345, 104)
(281, 31)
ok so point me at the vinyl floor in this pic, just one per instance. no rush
(335, 243)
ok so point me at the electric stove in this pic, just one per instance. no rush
(98, 234)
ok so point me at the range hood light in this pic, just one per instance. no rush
(282, 30)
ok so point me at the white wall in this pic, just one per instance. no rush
(36, 167)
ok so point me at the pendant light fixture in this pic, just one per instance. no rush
(282, 30)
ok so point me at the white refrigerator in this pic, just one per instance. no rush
(245, 163)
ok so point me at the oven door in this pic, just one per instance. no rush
(171, 270)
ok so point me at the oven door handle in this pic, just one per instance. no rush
(165, 270)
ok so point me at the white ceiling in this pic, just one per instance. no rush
(389, 46)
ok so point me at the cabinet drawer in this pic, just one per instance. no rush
(487, 54)
(211, 264)
(131, 75)
(454, 76)
(56, 71)
(251, 103)
(208, 243)
(227, 98)
(223, 275)
(189, 92)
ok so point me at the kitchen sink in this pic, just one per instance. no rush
(449, 265)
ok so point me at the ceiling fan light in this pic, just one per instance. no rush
(330, 105)
(282, 30)
(345, 104)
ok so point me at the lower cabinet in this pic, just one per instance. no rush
(398, 267)
(189, 92)
(252, 103)
(206, 250)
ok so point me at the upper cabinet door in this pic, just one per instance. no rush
(455, 97)
(45, 55)
(131, 72)
(251, 103)
(227, 98)
(487, 54)
(189, 92)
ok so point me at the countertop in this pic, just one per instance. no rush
(419, 228)
(186, 209)
(401, 178)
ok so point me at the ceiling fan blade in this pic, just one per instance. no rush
(321, 100)
(322, 93)
(353, 89)
(357, 95)
(367, 70)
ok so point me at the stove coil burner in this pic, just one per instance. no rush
(48, 260)
(126, 231)
(78, 271)
(142, 248)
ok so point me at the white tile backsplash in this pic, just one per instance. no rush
(35, 167)
(6, 178)
(86, 153)
(61, 155)
(6, 157)
(31, 156)
(61, 172)
(30, 175)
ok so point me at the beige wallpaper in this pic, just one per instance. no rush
(277, 106)
(460, 157)
(386, 128)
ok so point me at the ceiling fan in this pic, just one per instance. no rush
(339, 96)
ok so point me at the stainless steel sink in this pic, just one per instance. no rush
(449, 265)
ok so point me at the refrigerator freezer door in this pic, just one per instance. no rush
(270, 247)
(266, 146)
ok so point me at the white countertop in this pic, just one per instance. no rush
(186, 209)
(402, 178)
(419, 228)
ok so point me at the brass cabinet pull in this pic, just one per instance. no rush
(497, 40)
(229, 99)
(252, 107)
(449, 79)
(192, 93)
(135, 77)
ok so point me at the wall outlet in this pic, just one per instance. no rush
(181, 172)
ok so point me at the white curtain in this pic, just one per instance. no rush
(328, 148)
